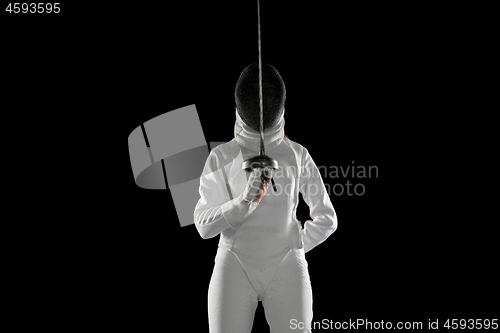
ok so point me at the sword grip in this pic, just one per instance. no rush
(274, 185)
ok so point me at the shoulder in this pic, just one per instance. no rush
(295, 146)
(224, 151)
(300, 152)
(224, 148)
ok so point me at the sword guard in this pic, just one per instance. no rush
(261, 161)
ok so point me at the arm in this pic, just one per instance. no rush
(215, 210)
(324, 218)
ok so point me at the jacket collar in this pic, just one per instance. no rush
(249, 138)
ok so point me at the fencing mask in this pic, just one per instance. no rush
(247, 95)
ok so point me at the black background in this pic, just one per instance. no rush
(365, 83)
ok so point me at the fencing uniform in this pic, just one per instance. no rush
(262, 244)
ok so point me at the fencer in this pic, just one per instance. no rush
(262, 245)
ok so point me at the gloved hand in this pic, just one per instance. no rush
(257, 184)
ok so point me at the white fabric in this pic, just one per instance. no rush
(232, 299)
(249, 138)
(260, 235)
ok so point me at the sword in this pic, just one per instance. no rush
(261, 160)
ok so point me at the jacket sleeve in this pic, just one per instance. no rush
(216, 210)
(324, 218)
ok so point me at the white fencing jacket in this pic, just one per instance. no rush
(267, 230)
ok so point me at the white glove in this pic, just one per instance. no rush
(257, 184)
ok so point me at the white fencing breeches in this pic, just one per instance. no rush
(236, 288)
